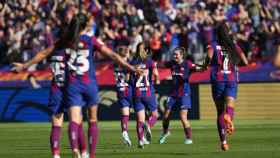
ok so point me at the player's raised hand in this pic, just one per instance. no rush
(18, 67)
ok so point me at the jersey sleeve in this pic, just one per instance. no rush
(191, 65)
(97, 43)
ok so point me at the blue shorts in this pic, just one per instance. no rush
(82, 94)
(183, 102)
(124, 102)
(220, 90)
(141, 103)
(56, 102)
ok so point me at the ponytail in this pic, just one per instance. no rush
(70, 37)
(226, 41)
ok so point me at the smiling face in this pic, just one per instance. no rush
(178, 56)
(141, 53)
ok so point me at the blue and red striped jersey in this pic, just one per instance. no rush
(143, 84)
(180, 77)
(80, 62)
(222, 69)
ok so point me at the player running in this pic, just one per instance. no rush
(180, 95)
(124, 93)
(223, 56)
(144, 94)
(80, 76)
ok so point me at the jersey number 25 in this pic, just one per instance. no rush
(78, 61)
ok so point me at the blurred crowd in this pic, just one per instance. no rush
(27, 26)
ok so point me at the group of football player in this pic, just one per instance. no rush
(74, 86)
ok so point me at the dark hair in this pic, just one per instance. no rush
(70, 36)
(226, 41)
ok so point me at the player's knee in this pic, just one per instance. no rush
(184, 116)
(155, 113)
(166, 114)
(185, 123)
(92, 120)
(125, 111)
(57, 121)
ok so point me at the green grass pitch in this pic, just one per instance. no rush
(253, 139)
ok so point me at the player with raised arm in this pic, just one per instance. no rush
(180, 95)
(144, 94)
(80, 83)
(124, 93)
(223, 56)
(56, 101)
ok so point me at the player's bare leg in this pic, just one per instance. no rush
(124, 124)
(92, 130)
(186, 125)
(140, 128)
(229, 115)
(55, 135)
(151, 122)
(165, 126)
(73, 130)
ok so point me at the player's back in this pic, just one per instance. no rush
(122, 85)
(81, 86)
(80, 62)
(222, 68)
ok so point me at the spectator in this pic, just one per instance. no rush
(27, 26)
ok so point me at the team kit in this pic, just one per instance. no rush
(74, 87)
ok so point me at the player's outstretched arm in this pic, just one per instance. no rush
(277, 58)
(207, 60)
(243, 58)
(241, 54)
(38, 57)
(116, 58)
(156, 75)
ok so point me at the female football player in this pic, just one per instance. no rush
(144, 93)
(56, 102)
(124, 93)
(80, 84)
(223, 56)
(180, 95)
